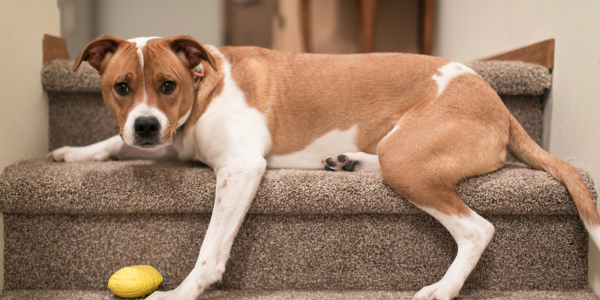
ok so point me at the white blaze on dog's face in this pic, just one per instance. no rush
(147, 84)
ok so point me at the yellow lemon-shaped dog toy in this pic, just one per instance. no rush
(135, 282)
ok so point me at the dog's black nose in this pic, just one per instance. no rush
(146, 127)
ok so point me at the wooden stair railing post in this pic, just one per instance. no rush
(305, 17)
(367, 19)
(428, 18)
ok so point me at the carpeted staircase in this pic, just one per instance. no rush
(308, 235)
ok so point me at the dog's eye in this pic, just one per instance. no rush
(122, 88)
(167, 87)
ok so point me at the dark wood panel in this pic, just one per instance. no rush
(249, 23)
(54, 48)
(428, 24)
(541, 53)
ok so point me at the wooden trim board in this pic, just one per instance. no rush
(541, 53)
(54, 48)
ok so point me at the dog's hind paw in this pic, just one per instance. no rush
(340, 163)
(352, 162)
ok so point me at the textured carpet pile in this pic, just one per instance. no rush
(305, 229)
(507, 78)
(76, 105)
(313, 295)
(163, 187)
(309, 234)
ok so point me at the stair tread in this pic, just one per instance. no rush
(506, 77)
(514, 77)
(126, 187)
(310, 295)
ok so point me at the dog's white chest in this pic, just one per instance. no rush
(228, 131)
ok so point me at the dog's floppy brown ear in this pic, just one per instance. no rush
(95, 52)
(194, 52)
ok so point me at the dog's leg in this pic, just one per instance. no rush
(236, 187)
(472, 234)
(353, 162)
(111, 147)
(425, 161)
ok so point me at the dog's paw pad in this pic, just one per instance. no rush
(340, 163)
(331, 162)
(350, 165)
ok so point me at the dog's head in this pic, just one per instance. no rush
(148, 84)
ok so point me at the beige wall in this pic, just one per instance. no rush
(84, 20)
(471, 29)
(23, 104)
(77, 24)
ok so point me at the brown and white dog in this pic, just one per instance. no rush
(426, 123)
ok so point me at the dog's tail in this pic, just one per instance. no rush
(525, 149)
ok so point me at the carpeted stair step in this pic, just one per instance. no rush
(70, 226)
(582, 294)
(76, 105)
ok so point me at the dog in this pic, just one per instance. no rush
(424, 122)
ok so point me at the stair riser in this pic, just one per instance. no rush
(80, 119)
(374, 252)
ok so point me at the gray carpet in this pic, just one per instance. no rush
(312, 295)
(514, 77)
(273, 252)
(43, 187)
(70, 226)
(306, 229)
(506, 77)
(78, 119)
(76, 105)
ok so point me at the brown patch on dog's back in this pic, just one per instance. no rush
(305, 96)
(251, 69)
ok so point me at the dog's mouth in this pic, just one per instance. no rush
(151, 143)
(147, 145)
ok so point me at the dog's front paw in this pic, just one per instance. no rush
(79, 154)
(162, 295)
(439, 291)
